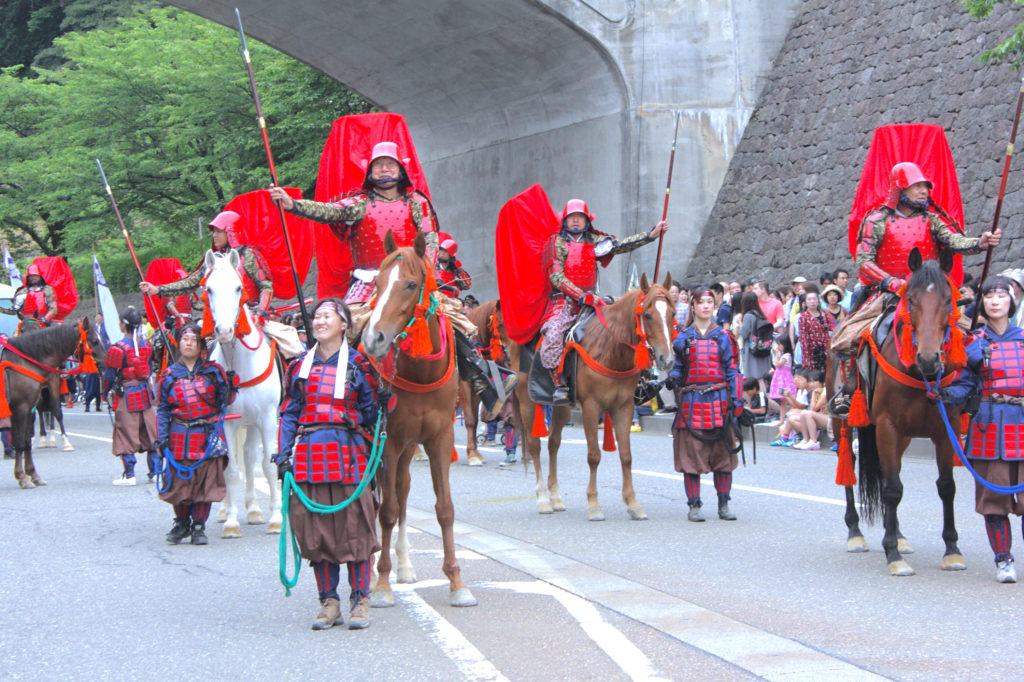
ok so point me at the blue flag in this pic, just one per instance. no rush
(107, 305)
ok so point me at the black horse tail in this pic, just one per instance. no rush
(870, 475)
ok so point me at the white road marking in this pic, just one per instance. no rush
(748, 488)
(617, 646)
(469, 660)
(85, 435)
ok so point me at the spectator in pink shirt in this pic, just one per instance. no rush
(771, 308)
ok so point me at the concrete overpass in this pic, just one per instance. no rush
(579, 95)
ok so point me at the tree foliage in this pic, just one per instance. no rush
(163, 100)
(1011, 49)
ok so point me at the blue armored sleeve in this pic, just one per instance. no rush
(969, 381)
(366, 402)
(729, 369)
(679, 368)
(291, 410)
(163, 410)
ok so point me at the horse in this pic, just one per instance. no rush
(613, 352)
(487, 318)
(27, 362)
(50, 412)
(242, 348)
(900, 410)
(412, 346)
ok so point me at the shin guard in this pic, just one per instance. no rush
(200, 511)
(998, 530)
(723, 484)
(359, 579)
(327, 575)
(692, 484)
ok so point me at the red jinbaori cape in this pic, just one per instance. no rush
(57, 274)
(164, 271)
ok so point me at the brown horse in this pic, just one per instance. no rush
(412, 345)
(24, 380)
(639, 324)
(900, 410)
(487, 318)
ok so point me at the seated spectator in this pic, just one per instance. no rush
(795, 401)
(811, 420)
(754, 400)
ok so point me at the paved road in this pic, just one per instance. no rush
(90, 588)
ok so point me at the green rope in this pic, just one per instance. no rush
(289, 486)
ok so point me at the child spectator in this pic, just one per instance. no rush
(782, 379)
(794, 402)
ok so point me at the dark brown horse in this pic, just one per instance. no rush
(900, 410)
(411, 343)
(642, 320)
(24, 380)
(487, 318)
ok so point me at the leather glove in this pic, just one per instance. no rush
(161, 445)
(935, 395)
(746, 418)
(892, 284)
(593, 300)
(670, 383)
(284, 465)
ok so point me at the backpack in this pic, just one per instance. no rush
(762, 339)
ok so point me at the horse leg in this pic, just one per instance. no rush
(892, 494)
(21, 430)
(250, 452)
(268, 434)
(66, 444)
(855, 540)
(387, 515)
(559, 418)
(233, 481)
(622, 420)
(952, 559)
(470, 407)
(439, 449)
(591, 417)
(403, 563)
(531, 445)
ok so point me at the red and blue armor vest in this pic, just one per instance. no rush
(709, 363)
(995, 368)
(903, 235)
(190, 403)
(325, 432)
(132, 372)
(368, 234)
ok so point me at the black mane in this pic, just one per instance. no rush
(929, 273)
(60, 339)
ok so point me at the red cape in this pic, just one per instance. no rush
(525, 224)
(164, 271)
(920, 143)
(342, 170)
(58, 275)
(260, 227)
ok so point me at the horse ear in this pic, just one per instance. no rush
(419, 245)
(914, 261)
(644, 284)
(208, 260)
(667, 284)
(84, 324)
(946, 260)
(389, 242)
(234, 259)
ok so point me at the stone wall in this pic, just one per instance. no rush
(844, 69)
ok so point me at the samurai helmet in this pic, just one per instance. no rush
(447, 243)
(33, 269)
(576, 206)
(228, 221)
(387, 150)
(902, 176)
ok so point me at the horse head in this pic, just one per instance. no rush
(927, 304)
(224, 292)
(89, 344)
(400, 289)
(658, 320)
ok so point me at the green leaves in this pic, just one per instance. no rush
(1012, 49)
(163, 101)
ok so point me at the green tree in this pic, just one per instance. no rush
(163, 100)
(1011, 49)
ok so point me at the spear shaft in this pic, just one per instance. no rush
(668, 190)
(999, 198)
(131, 250)
(273, 171)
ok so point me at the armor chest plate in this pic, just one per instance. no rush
(581, 265)
(35, 304)
(703, 364)
(902, 235)
(1005, 373)
(132, 366)
(320, 406)
(193, 398)
(368, 233)
(447, 282)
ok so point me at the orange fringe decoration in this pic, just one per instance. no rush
(417, 337)
(641, 356)
(956, 357)
(241, 324)
(540, 429)
(859, 410)
(496, 350)
(455, 454)
(609, 434)
(88, 365)
(845, 475)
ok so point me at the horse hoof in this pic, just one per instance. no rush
(545, 508)
(903, 546)
(274, 528)
(406, 574)
(234, 531)
(419, 456)
(857, 545)
(900, 568)
(558, 505)
(379, 599)
(637, 513)
(25, 483)
(595, 514)
(462, 597)
(68, 447)
(222, 515)
(36, 480)
(476, 461)
(953, 562)
(255, 518)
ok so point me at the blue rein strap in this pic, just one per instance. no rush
(1002, 489)
(185, 471)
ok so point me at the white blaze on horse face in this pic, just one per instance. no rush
(931, 287)
(382, 300)
(662, 307)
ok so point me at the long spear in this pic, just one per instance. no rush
(668, 190)
(273, 172)
(999, 198)
(131, 249)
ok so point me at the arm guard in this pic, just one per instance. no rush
(183, 286)
(291, 409)
(345, 211)
(952, 240)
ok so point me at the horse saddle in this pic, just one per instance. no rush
(541, 384)
(881, 328)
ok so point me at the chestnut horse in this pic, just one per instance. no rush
(411, 344)
(900, 410)
(487, 318)
(641, 325)
(30, 363)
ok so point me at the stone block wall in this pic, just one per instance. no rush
(845, 69)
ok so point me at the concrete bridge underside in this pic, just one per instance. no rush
(578, 96)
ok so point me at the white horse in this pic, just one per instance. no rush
(250, 357)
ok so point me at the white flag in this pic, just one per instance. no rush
(107, 305)
(12, 270)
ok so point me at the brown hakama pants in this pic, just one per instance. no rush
(348, 535)
(206, 485)
(694, 456)
(998, 472)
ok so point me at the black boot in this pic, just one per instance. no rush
(179, 531)
(560, 393)
(199, 534)
(723, 509)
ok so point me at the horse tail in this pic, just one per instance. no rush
(870, 475)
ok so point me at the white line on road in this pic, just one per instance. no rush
(85, 435)
(748, 488)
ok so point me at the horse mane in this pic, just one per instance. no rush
(479, 316)
(929, 273)
(42, 342)
(621, 328)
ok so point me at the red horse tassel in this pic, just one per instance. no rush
(642, 355)
(417, 337)
(845, 475)
(540, 428)
(609, 434)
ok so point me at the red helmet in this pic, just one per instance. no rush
(33, 269)
(228, 221)
(902, 176)
(446, 242)
(576, 206)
